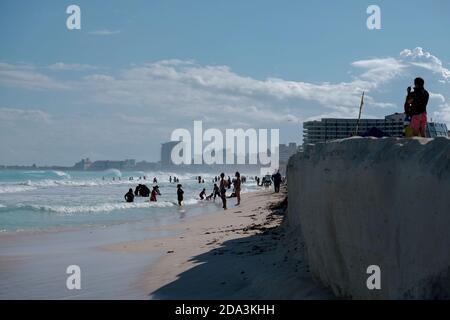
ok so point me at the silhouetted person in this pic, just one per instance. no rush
(216, 191)
(180, 193)
(202, 194)
(136, 191)
(144, 191)
(155, 192)
(223, 190)
(276, 178)
(129, 196)
(416, 107)
(237, 187)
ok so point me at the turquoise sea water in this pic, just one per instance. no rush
(46, 199)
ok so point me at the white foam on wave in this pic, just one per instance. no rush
(15, 188)
(48, 172)
(115, 172)
(191, 201)
(76, 183)
(104, 207)
(61, 174)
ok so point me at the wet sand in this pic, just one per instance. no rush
(33, 266)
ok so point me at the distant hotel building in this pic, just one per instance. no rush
(84, 164)
(100, 165)
(166, 153)
(331, 128)
(286, 151)
(435, 129)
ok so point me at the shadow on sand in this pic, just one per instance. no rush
(258, 266)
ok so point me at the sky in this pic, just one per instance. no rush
(137, 70)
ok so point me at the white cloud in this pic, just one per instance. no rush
(137, 82)
(443, 113)
(421, 58)
(61, 66)
(379, 71)
(27, 77)
(13, 114)
(437, 96)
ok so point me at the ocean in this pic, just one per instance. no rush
(36, 200)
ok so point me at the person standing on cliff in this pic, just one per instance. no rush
(418, 100)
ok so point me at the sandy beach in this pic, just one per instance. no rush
(240, 253)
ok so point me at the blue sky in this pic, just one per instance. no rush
(139, 69)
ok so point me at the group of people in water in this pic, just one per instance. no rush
(221, 185)
(142, 191)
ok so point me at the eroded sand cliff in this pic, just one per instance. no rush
(386, 202)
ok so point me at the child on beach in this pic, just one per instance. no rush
(180, 193)
(202, 194)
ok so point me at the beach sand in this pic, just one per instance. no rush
(239, 253)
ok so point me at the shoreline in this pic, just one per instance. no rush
(239, 253)
(33, 262)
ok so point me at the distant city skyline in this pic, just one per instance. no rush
(136, 71)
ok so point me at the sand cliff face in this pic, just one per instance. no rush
(386, 202)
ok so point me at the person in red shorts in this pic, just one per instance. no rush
(419, 100)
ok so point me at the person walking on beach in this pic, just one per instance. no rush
(237, 187)
(276, 181)
(223, 190)
(180, 193)
(417, 107)
(129, 196)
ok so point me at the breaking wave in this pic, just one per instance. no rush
(15, 188)
(104, 207)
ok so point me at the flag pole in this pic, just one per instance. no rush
(359, 116)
